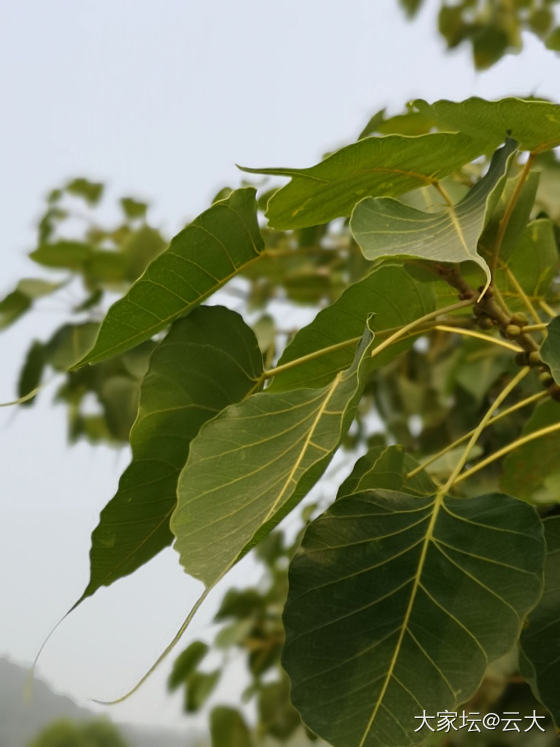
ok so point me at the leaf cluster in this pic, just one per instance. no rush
(431, 247)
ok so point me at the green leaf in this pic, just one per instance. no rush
(252, 464)
(31, 372)
(397, 603)
(336, 328)
(228, 728)
(553, 40)
(518, 218)
(133, 208)
(534, 124)
(69, 343)
(277, 716)
(65, 255)
(199, 260)
(532, 264)
(385, 467)
(532, 471)
(185, 664)
(550, 349)
(384, 227)
(90, 191)
(540, 640)
(205, 363)
(388, 165)
(200, 686)
(20, 300)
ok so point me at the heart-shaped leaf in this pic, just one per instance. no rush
(398, 602)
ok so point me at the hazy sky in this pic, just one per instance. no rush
(160, 99)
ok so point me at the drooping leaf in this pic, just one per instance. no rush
(199, 260)
(206, 362)
(398, 602)
(540, 640)
(532, 471)
(253, 463)
(550, 349)
(384, 227)
(388, 165)
(20, 300)
(228, 728)
(534, 124)
(389, 292)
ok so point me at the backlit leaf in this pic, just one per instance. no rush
(398, 603)
(252, 464)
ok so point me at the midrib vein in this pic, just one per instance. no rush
(438, 501)
(320, 413)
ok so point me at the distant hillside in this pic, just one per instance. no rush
(19, 723)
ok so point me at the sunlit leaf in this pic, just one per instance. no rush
(398, 602)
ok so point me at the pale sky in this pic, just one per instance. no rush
(160, 99)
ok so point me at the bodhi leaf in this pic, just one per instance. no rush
(397, 603)
(336, 328)
(200, 259)
(384, 227)
(532, 471)
(540, 640)
(252, 464)
(388, 165)
(534, 124)
(206, 362)
(550, 349)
